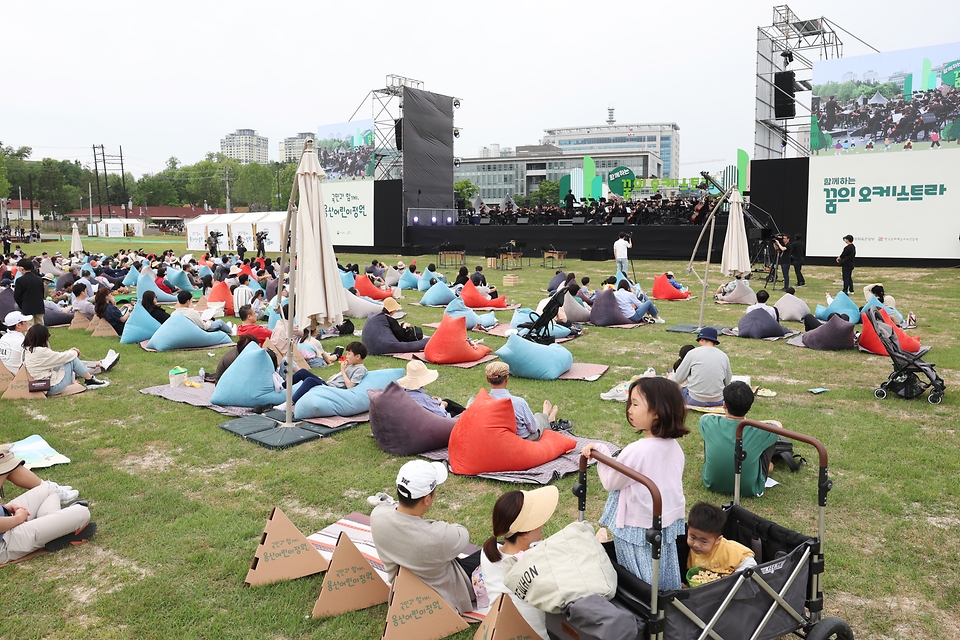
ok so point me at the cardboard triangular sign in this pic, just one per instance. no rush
(283, 553)
(418, 612)
(268, 345)
(19, 387)
(105, 330)
(79, 321)
(201, 303)
(504, 622)
(351, 583)
(297, 356)
(5, 378)
(92, 326)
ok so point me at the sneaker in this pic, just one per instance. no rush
(380, 498)
(79, 501)
(233, 329)
(614, 394)
(659, 320)
(801, 284)
(281, 407)
(109, 360)
(79, 536)
(829, 300)
(338, 352)
(561, 425)
(94, 383)
(67, 493)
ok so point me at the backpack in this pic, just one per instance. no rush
(346, 328)
(783, 452)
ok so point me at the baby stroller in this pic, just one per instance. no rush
(904, 380)
(782, 595)
(539, 330)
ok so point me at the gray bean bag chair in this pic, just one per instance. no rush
(54, 315)
(270, 292)
(404, 428)
(605, 310)
(357, 307)
(833, 335)
(46, 266)
(791, 308)
(392, 277)
(379, 340)
(575, 311)
(760, 324)
(556, 281)
(7, 303)
(742, 294)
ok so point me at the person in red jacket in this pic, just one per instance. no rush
(249, 326)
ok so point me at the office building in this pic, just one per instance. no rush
(661, 139)
(292, 148)
(245, 146)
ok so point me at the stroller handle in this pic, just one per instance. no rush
(793, 435)
(630, 473)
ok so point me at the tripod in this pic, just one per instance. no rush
(774, 269)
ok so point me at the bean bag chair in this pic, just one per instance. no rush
(347, 278)
(7, 303)
(247, 270)
(575, 311)
(472, 297)
(179, 279)
(556, 281)
(254, 284)
(890, 311)
(888, 299)
(379, 340)
(180, 333)
(449, 345)
(323, 401)
(663, 290)
(204, 270)
(521, 316)
(457, 308)
(484, 440)
(741, 294)
(139, 326)
(221, 293)
(357, 307)
(391, 276)
(842, 304)
(437, 295)
(791, 308)
(423, 283)
(408, 280)
(86, 268)
(248, 382)
(270, 290)
(145, 283)
(54, 315)
(622, 276)
(538, 361)
(404, 428)
(605, 310)
(130, 280)
(835, 334)
(273, 317)
(46, 266)
(760, 324)
(366, 288)
(870, 341)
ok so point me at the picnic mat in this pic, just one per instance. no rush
(502, 330)
(38, 552)
(419, 355)
(143, 345)
(328, 425)
(734, 333)
(620, 326)
(691, 328)
(797, 341)
(509, 307)
(36, 453)
(196, 397)
(543, 474)
(584, 371)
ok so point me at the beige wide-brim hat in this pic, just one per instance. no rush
(391, 305)
(538, 507)
(8, 461)
(417, 375)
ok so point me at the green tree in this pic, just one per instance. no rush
(156, 190)
(547, 193)
(287, 175)
(255, 187)
(466, 190)
(5, 186)
(204, 184)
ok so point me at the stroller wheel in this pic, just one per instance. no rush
(880, 394)
(831, 628)
(935, 398)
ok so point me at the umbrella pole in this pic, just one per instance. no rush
(712, 219)
(291, 227)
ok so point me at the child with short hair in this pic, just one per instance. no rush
(708, 548)
(352, 371)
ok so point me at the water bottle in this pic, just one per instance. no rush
(202, 374)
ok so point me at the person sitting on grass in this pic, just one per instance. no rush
(530, 425)
(673, 281)
(149, 302)
(228, 358)
(584, 293)
(417, 377)
(242, 294)
(708, 548)
(352, 371)
(706, 370)
(161, 280)
(313, 352)
(106, 309)
(634, 306)
(14, 469)
(185, 308)
(762, 297)
(59, 367)
(249, 326)
(402, 331)
(81, 301)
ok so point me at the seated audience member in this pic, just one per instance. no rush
(727, 289)
(67, 279)
(585, 293)
(242, 294)
(706, 370)
(708, 548)
(81, 302)
(719, 438)
(635, 306)
(259, 304)
(185, 308)
(530, 425)
(59, 367)
(14, 469)
(313, 352)
(249, 326)
(106, 308)
(573, 291)
(428, 548)
(11, 344)
(684, 350)
(402, 331)
(762, 297)
(478, 278)
(228, 358)
(673, 281)
(149, 302)
(462, 277)
(352, 371)
(417, 377)
(161, 280)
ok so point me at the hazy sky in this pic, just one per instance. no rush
(172, 78)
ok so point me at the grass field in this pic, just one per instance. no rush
(180, 503)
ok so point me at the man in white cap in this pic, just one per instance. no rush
(418, 376)
(428, 548)
(11, 344)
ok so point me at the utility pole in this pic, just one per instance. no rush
(278, 187)
(30, 195)
(96, 175)
(90, 199)
(227, 180)
(106, 180)
(123, 181)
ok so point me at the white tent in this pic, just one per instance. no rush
(272, 222)
(243, 226)
(119, 227)
(877, 99)
(197, 231)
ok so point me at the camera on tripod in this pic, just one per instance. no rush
(262, 235)
(216, 234)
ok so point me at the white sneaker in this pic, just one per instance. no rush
(380, 498)
(233, 329)
(109, 360)
(281, 407)
(659, 320)
(67, 493)
(829, 300)
(614, 394)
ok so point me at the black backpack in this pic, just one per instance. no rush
(784, 453)
(347, 328)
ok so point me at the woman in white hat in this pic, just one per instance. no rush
(418, 376)
(518, 518)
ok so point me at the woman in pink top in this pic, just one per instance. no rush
(656, 407)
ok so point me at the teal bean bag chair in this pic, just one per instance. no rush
(457, 308)
(130, 280)
(538, 361)
(204, 270)
(438, 294)
(248, 382)
(179, 279)
(254, 284)
(139, 326)
(86, 268)
(423, 283)
(895, 315)
(521, 316)
(347, 278)
(146, 283)
(180, 333)
(842, 304)
(324, 401)
(408, 280)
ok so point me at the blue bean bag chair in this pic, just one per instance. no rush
(179, 279)
(54, 316)
(324, 401)
(204, 270)
(248, 382)
(556, 281)
(438, 294)
(180, 333)
(423, 283)
(521, 316)
(347, 278)
(139, 326)
(146, 283)
(254, 284)
(605, 310)
(760, 324)
(893, 313)
(404, 428)
(86, 268)
(130, 280)
(408, 280)
(842, 304)
(379, 340)
(538, 361)
(457, 308)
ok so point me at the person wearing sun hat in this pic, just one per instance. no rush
(518, 518)
(418, 376)
(402, 331)
(428, 548)
(706, 370)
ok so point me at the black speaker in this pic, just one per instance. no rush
(579, 220)
(759, 234)
(784, 106)
(484, 220)
(523, 220)
(618, 220)
(398, 132)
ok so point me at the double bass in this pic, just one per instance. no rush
(700, 210)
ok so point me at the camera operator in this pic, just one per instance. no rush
(620, 248)
(213, 241)
(784, 250)
(261, 244)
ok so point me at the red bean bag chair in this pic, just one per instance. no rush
(366, 288)
(663, 290)
(221, 293)
(485, 440)
(247, 270)
(448, 345)
(870, 341)
(472, 297)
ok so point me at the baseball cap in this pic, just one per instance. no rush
(15, 317)
(418, 478)
(848, 238)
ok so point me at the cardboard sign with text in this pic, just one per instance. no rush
(283, 553)
(200, 304)
(504, 622)
(105, 330)
(92, 326)
(79, 321)
(5, 378)
(351, 582)
(417, 612)
(19, 387)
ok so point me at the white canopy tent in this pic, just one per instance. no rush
(119, 228)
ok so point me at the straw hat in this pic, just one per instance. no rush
(8, 461)
(391, 305)
(538, 507)
(417, 376)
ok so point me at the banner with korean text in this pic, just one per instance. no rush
(348, 205)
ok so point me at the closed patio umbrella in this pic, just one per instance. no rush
(735, 260)
(76, 245)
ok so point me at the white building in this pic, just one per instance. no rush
(495, 151)
(292, 148)
(246, 146)
(661, 139)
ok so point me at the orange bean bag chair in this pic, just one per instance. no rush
(472, 297)
(484, 440)
(247, 270)
(663, 290)
(448, 345)
(221, 293)
(870, 341)
(366, 288)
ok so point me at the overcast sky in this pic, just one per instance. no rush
(172, 78)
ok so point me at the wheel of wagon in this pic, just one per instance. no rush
(831, 629)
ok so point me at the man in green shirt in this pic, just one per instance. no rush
(719, 438)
